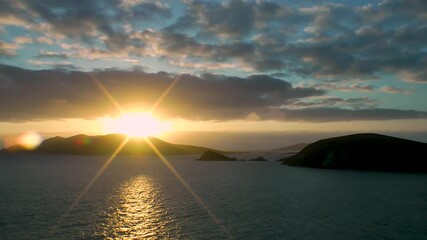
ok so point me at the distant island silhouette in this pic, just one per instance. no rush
(258, 159)
(363, 152)
(107, 144)
(214, 156)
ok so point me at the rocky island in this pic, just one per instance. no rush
(363, 152)
(258, 159)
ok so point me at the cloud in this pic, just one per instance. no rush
(309, 39)
(417, 76)
(395, 90)
(338, 114)
(44, 40)
(333, 85)
(409, 9)
(356, 88)
(27, 95)
(54, 65)
(50, 54)
(214, 18)
(79, 52)
(335, 102)
(336, 41)
(13, 13)
(86, 21)
(51, 94)
(8, 49)
(23, 40)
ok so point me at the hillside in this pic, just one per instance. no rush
(363, 152)
(107, 144)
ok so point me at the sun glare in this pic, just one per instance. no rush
(139, 124)
(29, 140)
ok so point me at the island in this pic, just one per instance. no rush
(366, 151)
(258, 159)
(214, 156)
(108, 144)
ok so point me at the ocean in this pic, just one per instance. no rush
(63, 197)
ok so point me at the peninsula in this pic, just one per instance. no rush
(363, 152)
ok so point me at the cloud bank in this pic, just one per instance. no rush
(27, 95)
(305, 38)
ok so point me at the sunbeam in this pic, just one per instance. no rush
(88, 186)
(107, 93)
(196, 197)
(164, 94)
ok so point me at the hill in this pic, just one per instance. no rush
(363, 152)
(107, 144)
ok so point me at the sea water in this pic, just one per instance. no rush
(68, 197)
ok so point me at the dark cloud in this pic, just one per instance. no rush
(396, 90)
(171, 45)
(333, 85)
(325, 20)
(50, 94)
(144, 10)
(335, 102)
(409, 9)
(269, 64)
(338, 114)
(231, 20)
(54, 94)
(331, 61)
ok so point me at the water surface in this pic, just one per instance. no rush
(139, 197)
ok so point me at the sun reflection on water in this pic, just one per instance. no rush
(136, 212)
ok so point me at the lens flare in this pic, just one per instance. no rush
(29, 140)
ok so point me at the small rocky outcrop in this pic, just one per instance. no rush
(258, 159)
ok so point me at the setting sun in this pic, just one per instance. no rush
(140, 124)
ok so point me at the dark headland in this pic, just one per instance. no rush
(107, 144)
(363, 152)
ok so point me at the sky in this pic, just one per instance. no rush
(215, 66)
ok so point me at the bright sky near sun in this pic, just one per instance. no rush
(79, 66)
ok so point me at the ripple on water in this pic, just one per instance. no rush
(136, 211)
